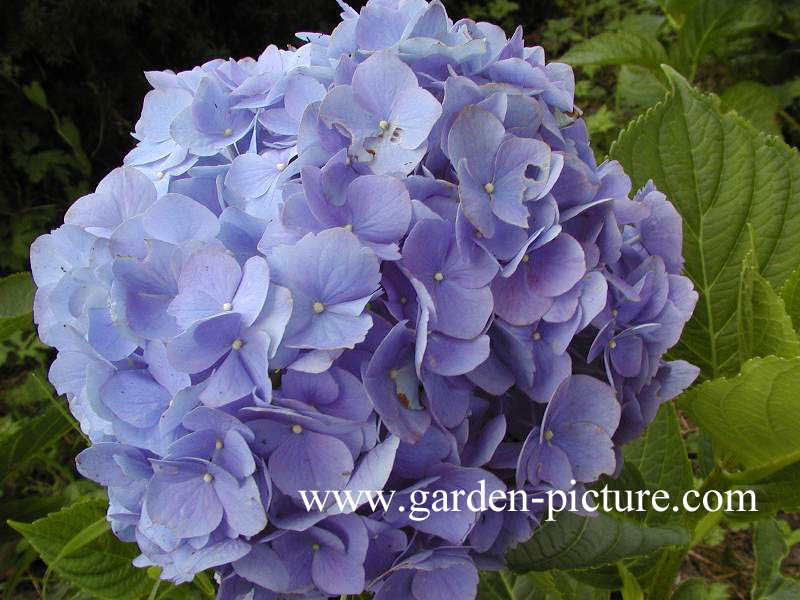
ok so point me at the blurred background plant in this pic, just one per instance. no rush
(71, 87)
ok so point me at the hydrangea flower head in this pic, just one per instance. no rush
(383, 260)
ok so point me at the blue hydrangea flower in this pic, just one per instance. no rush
(383, 260)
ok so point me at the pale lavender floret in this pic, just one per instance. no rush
(385, 113)
(210, 123)
(331, 278)
(574, 440)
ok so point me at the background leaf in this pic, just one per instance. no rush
(612, 48)
(16, 303)
(756, 102)
(33, 437)
(695, 588)
(771, 545)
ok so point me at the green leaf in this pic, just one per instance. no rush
(639, 87)
(787, 92)
(81, 538)
(631, 590)
(642, 23)
(677, 10)
(611, 48)
(764, 327)
(660, 456)
(755, 102)
(712, 22)
(547, 585)
(778, 491)
(790, 294)
(577, 542)
(755, 416)
(102, 567)
(16, 303)
(35, 436)
(35, 93)
(695, 588)
(770, 545)
(721, 174)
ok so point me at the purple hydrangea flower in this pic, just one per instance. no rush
(383, 260)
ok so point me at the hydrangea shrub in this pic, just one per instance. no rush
(386, 259)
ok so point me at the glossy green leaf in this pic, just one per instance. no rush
(721, 174)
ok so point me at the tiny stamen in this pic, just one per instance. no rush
(228, 132)
(297, 428)
(489, 187)
(227, 306)
(383, 124)
(236, 344)
(208, 478)
(318, 307)
(438, 276)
